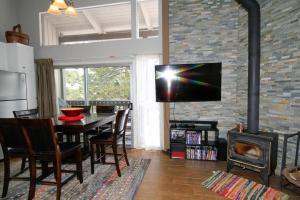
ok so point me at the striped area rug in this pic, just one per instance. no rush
(238, 188)
(104, 184)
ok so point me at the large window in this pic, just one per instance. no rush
(105, 83)
(109, 83)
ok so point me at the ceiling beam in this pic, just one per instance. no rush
(93, 22)
(145, 15)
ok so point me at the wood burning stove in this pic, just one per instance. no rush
(254, 152)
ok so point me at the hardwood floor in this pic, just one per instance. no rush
(171, 179)
(181, 179)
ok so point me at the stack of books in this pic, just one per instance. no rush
(193, 137)
(201, 152)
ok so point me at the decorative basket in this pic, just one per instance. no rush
(16, 35)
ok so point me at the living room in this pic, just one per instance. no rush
(256, 107)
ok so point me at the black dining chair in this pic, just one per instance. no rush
(42, 144)
(110, 139)
(13, 146)
(106, 109)
(26, 114)
(86, 109)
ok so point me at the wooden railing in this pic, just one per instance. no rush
(118, 104)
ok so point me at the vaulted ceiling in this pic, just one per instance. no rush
(105, 22)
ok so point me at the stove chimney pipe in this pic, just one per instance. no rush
(253, 63)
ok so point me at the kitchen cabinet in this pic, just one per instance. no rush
(19, 57)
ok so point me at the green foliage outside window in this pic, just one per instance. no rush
(109, 83)
(74, 84)
(104, 83)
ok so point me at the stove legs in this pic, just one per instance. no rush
(229, 165)
(264, 175)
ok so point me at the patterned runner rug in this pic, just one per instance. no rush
(103, 184)
(239, 188)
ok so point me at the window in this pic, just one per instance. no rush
(73, 84)
(109, 83)
(105, 83)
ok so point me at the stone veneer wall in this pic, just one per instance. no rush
(280, 69)
(217, 30)
(206, 31)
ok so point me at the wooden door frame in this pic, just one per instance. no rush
(165, 48)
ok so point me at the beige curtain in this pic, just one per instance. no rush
(46, 88)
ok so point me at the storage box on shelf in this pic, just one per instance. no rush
(195, 140)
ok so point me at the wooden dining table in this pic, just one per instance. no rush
(89, 122)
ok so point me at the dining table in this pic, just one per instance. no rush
(82, 126)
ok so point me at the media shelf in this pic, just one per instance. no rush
(194, 140)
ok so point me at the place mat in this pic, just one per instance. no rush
(71, 118)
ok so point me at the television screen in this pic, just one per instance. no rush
(188, 82)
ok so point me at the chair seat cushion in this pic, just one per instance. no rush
(17, 151)
(104, 136)
(66, 148)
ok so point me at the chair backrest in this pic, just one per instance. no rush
(121, 122)
(11, 133)
(39, 135)
(105, 109)
(27, 114)
(86, 109)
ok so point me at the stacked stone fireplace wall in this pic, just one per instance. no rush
(216, 30)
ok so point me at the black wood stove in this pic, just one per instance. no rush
(254, 152)
(253, 149)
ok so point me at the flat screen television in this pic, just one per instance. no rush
(188, 82)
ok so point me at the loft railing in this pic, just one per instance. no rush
(119, 104)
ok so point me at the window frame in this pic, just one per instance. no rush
(85, 79)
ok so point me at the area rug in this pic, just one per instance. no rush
(238, 188)
(103, 184)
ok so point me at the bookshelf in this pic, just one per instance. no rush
(194, 140)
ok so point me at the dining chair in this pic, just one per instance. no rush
(13, 146)
(106, 109)
(110, 139)
(100, 109)
(42, 144)
(28, 114)
(86, 109)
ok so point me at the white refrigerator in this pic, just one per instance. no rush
(13, 95)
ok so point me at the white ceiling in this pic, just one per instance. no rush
(105, 19)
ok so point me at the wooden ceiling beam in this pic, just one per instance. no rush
(146, 15)
(96, 25)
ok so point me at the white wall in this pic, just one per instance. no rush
(102, 52)
(8, 17)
